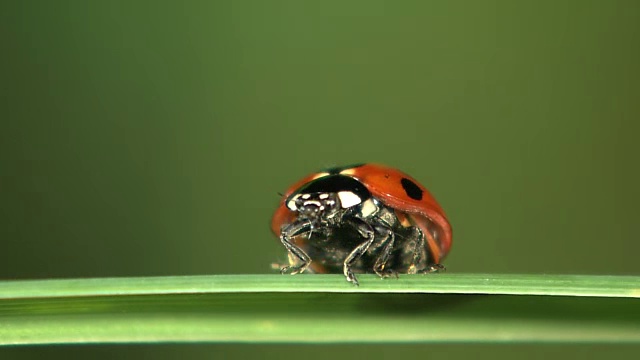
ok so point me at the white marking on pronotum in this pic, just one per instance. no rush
(323, 196)
(348, 199)
(348, 171)
(369, 208)
(292, 203)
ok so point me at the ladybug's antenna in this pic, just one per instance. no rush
(281, 194)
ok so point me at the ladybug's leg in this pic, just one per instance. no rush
(433, 268)
(418, 252)
(366, 231)
(286, 234)
(381, 261)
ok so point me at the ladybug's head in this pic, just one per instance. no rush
(314, 206)
(324, 197)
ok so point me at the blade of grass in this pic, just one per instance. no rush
(496, 284)
(321, 309)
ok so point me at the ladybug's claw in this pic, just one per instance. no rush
(433, 268)
(293, 270)
(351, 277)
(385, 273)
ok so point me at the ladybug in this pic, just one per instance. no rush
(361, 218)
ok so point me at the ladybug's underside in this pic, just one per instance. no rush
(328, 250)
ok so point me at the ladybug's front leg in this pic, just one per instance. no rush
(366, 231)
(286, 234)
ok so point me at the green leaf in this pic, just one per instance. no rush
(322, 309)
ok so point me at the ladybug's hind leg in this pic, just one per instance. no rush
(422, 257)
(433, 268)
(418, 261)
(295, 253)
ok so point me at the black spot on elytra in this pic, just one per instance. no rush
(339, 169)
(412, 190)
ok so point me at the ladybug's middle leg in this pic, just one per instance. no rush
(381, 262)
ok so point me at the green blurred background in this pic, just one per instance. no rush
(143, 138)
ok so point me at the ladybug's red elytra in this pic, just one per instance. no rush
(361, 218)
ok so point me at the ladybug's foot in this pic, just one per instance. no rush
(433, 268)
(348, 273)
(385, 273)
(292, 270)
